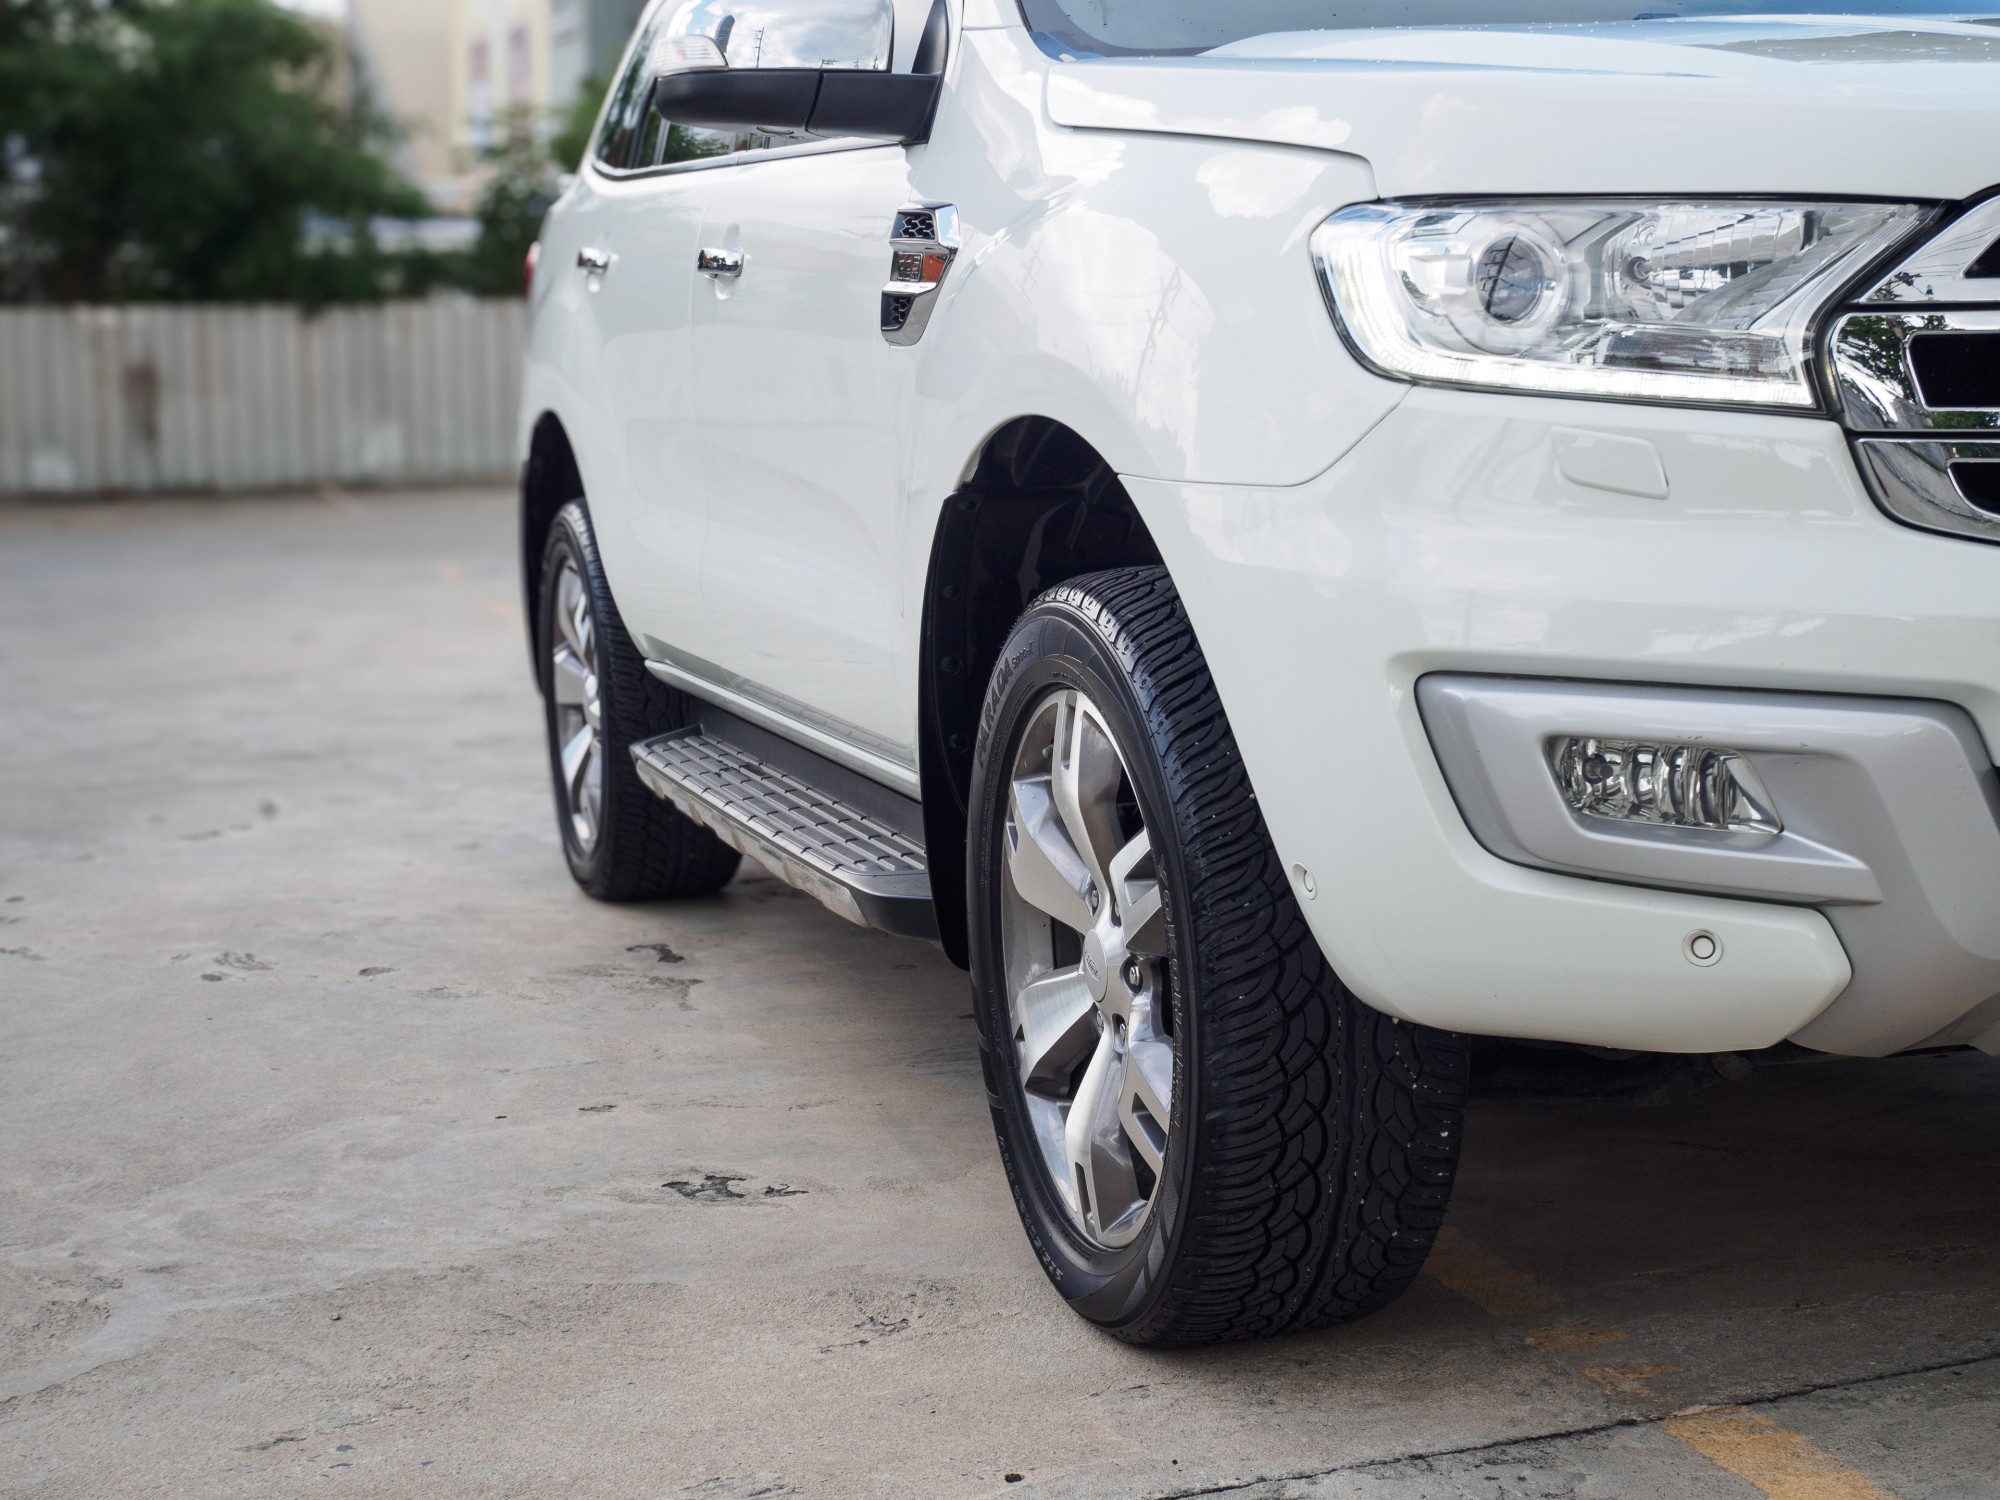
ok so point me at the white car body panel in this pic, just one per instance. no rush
(1134, 266)
(1085, 293)
(798, 413)
(1450, 539)
(644, 307)
(1899, 109)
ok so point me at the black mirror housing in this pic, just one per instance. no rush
(895, 106)
(776, 98)
(829, 102)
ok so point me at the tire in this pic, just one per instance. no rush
(1310, 1142)
(622, 842)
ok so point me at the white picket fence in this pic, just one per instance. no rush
(178, 398)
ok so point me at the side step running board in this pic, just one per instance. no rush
(856, 846)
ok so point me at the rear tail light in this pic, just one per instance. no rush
(528, 269)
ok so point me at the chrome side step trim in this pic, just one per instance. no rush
(813, 834)
(874, 767)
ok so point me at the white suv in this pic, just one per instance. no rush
(1285, 534)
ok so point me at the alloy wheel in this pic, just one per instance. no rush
(1084, 929)
(579, 714)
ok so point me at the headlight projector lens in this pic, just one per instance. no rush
(1513, 279)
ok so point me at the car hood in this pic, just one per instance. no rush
(1902, 108)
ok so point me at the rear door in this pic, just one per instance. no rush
(634, 259)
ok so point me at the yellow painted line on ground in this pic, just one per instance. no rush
(1629, 1382)
(1782, 1464)
(1779, 1462)
(1566, 1338)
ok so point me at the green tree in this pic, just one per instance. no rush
(526, 162)
(178, 149)
(518, 193)
(572, 137)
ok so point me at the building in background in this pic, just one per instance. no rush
(540, 53)
(499, 60)
(403, 48)
(586, 39)
(448, 69)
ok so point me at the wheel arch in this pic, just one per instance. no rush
(1040, 505)
(550, 479)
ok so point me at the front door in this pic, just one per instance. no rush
(799, 398)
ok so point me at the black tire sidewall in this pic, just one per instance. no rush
(646, 850)
(570, 540)
(1055, 646)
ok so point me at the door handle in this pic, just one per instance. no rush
(596, 262)
(719, 262)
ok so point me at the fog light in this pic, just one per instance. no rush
(1667, 786)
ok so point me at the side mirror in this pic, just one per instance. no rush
(809, 67)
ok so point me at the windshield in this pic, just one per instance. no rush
(1112, 27)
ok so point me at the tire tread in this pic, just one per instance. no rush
(647, 849)
(1330, 1132)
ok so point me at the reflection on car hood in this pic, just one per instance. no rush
(1897, 107)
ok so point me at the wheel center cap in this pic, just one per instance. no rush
(1096, 964)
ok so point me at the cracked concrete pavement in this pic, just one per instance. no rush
(348, 1148)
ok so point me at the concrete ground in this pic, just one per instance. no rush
(348, 1150)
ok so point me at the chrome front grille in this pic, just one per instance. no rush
(1890, 378)
(1915, 368)
(1956, 370)
(1938, 486)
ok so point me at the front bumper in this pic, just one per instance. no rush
(1593, 543)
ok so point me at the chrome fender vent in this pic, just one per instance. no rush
(922, 247)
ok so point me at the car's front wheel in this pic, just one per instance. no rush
(1207, 1135)
(622, 842)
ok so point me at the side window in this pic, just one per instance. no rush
(636, 136)
(625, 115)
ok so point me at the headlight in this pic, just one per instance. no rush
(1683, 301)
